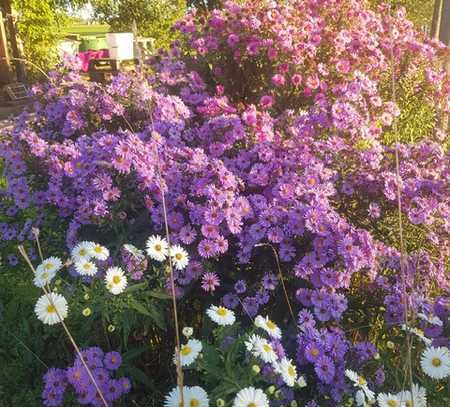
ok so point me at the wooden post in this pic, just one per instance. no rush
(436, 21)
(6, 75)
(15, 44)
(444, 28)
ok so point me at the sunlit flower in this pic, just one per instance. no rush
(221, 315)
(115, 280)
(418, 398)
(86, 267)
(264, 350)
(360, 382)
(388, 400)
(251, 397)
(435, 362)
(187, 331)
(49, 306)
(157, 248)
(51, 265)
(434, 320)
(270, 327)
(287, 370)
(189, 352)
(82, 251)
(99, 252)
(192, 396)
(179, 256)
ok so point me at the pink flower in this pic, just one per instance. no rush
(312, 82)
(386, 119)
(278, 80)
(232, 40)
(343, 66)
(266, 101)
(249, 116)
(210, 281)
(272, 54)
(296, 79)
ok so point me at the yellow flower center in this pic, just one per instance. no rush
(291, 371)
(315, 352)
(87, 266)
(221, 311)
(267, 347)
(436, 362)
(178, 256)
(408, 403)
(194, 403)
(158, 247)
(51, 309)
(392, 403)
(270, 324)
(252, 405)
(116, 279)
(48, 266)
(82, 252)
(45, 275)
(361, 381)
(186, 350)
(98, 249)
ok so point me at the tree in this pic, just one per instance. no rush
(153, 18)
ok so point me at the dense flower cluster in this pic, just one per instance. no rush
(103, 365)
(265, 130)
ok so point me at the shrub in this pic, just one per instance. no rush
(271, 129)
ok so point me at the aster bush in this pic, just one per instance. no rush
(287, 143)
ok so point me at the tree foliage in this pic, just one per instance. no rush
(153, 18)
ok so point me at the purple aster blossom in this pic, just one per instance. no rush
(250, 306)
(262, 297)
(13, 260)
(270, 281)
(379, 377)
(112, 360)
(240, 287)
(230, 300)
(313, 352)
(325, 369)
(112, 389)
(210, 281)
(125, 385)
(207, 248)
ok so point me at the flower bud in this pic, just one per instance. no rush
(294, 403)
(271, 389)
(301, 382)
(256, 369)
(86, 296)
(87, 311)
(188, 331)
(220, 403)
(278, 394)
(111, 328)
(390, 345)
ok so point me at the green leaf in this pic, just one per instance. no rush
(133, 353)
(151, 312)
(136, 287)
(161, 295)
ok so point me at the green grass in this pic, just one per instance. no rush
(86, 29)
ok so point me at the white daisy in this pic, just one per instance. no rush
(86, 267)
(43, 277)
(251, 397)
(301, 382)
(52, 265)
(99, 252)
(287, 370)
(49, 306)
(82, 251)
(138, 253)
(189, 352)
(157, 248)
(250, 342)
(115, 280)
(389, 400)
(360, 398)
(434, 320)
(270, 327)
(193, 397)
(418, 398)
(419, 333)
(435, 362)
(264, 350)
(180, 257)
(360, 382)
(221, 315)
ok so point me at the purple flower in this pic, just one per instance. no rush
(240, 287)
(112, 360)
(270, 281)
(324, 369)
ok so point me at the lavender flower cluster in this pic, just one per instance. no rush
(102, 365)
(266, 129)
